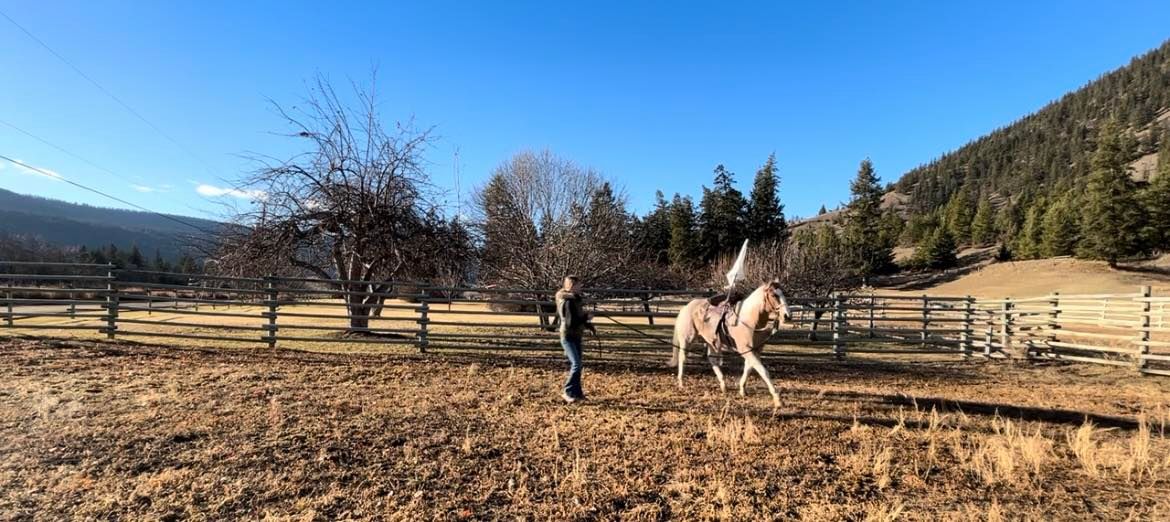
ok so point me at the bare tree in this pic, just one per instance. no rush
(818, 264)
(541, 217)
(352, 209)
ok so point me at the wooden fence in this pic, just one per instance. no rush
(98, 300)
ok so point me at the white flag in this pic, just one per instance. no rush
(736, 274)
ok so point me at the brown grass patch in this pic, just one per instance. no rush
(108, 431)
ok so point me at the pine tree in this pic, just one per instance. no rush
(765, 213)
(1111, 218)
(135, 259)
(1157, 200)
(723, 211)
(959, 215)
(1062, 228)
(653, 231)
(160, 264)
(822, 211)
(684, 246)
(983, 224)
(187, 265)
(892, 227)
(938, 252)
(1030, 240)
(863, 224)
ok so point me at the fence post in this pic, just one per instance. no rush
(989, 339)
(72, 302)
(423, 309)
(1143, 347)
(968, 327)
(872, 305)
(839, 325)
(271, 327)
(1005, 336)
(646, 307)
(925, 319)
(1053, 318)
(8, 307)
(111, 304)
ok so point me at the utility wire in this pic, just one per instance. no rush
(107, 92)
(63, 150)
(57, 176)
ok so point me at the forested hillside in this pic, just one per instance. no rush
(1046, 151)
(35, 223)
(1087, 175)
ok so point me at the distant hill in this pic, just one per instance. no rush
(72, 225)
(1048, 151)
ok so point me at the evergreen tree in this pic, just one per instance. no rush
(1030, 240)
(822, 211)
(765, 214)
(160, 264)
(115, 257)
(863, 224)
(1111, 218)
(1157, 200)
(684, 246)
(892, 227)
(187, 265)
(653, 231)
(723, 211)
(135, 259)
(983, 224)
(959, 215)
(938, 252)
(1062, 228)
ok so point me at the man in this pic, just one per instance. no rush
(574, 321)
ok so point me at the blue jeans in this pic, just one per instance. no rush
(573, 352)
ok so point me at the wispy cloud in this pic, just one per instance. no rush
(38, 171)
(147, 189)
(213, 191)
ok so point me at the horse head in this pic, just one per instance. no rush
(775, 303)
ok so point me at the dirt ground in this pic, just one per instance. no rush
(93, 430)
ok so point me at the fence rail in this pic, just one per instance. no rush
(1114, 329)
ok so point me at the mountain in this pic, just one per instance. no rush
(1047, 153)
(72, 225)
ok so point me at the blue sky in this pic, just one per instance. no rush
(653, 95)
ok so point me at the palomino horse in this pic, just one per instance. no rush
(749, 333)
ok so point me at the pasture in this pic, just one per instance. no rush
(120, 430)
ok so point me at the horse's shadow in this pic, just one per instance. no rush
(788, 411)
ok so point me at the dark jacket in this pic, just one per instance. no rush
(570, 312)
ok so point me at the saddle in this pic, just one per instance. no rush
(721, 314)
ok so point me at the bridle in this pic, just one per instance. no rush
(773, 305)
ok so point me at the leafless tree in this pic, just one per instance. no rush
(817, 264)
(541, 217)
(352, 209)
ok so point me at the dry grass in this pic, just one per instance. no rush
(112, 431)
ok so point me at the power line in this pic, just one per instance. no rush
(71, 154)
(57, 176)
(107, 92)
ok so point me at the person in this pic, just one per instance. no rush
(574, 321)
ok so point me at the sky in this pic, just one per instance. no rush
(651, 94)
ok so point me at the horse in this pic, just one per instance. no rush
(749, 333)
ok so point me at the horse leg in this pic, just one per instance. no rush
(682, 363)
(747, 370)
(751, 359)
(715, 365)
